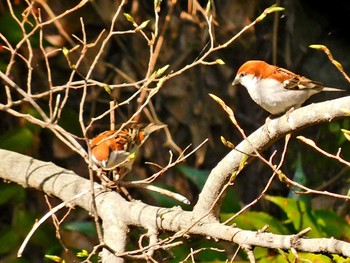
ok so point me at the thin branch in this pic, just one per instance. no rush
(329, 155)
(263, 192)
(45, 217)
(171, 164)
(113, 209)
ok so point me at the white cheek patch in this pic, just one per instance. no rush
(249, 81)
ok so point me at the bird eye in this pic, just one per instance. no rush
(242, 74)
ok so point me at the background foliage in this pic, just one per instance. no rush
(184, 105)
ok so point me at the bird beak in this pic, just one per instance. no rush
(236, 81)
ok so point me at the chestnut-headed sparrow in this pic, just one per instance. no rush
(276, 89)
(117, 149)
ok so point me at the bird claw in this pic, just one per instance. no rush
(289, 112)
(268, 120)
(106, 182)
(290, 121)
(267, 123)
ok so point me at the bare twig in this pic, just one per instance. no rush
(43, 219)
(263, 192)
(159, 190)
(171, 164)
(331, 58)
(332, 156)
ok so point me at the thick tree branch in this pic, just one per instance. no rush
(261, 140)
(117, 213)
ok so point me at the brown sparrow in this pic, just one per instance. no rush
(117, 149)
(276, 89)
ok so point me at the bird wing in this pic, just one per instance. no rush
(293, 81)
(124, 139)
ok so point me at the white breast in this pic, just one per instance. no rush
(271, 96)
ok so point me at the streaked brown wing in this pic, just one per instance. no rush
(123, 139)
(295, 82)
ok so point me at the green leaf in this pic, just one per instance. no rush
(129, 17)
(13, 32)
(83, 254)
(227, 143)
(9, 240)
(198, 177)
(23, 221)
(161, 71)
(299, 213)
(346, 134)
(143, 25)
(256, 221)
(65, 51)
(309, 257)
(157, 3)
(11, 192)
(132, 156)
(208, 7)
(271, 9)
(54, 258)
(231, 202)
(220, 61)
(284, 257)
(32, 111)
(316, 46)
(107, 89)
(299, 177)
(339, 259)
(70, 121)
(87, 228)
(336, 129)
(328, 220)
(18, 140)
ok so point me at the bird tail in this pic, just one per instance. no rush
(331, 89)
(152, 127)
(149, 129)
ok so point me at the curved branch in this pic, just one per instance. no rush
(117, 213)
(261, 140)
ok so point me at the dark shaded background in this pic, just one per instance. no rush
(183, 103)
